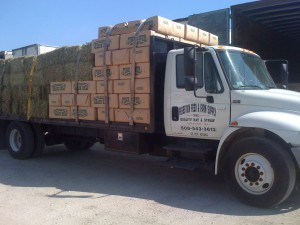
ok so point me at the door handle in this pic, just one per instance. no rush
(210, 99)
(175, 114)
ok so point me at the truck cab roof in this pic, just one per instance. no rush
(222, 47)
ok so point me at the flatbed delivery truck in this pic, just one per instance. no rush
(213, 106)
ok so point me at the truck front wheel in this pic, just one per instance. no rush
(20, 140)
(260, 172)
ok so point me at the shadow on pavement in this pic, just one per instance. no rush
(97, 174)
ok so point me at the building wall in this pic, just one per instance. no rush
(45, 49)
(215, 22)
(32, 50)
(26, 51)
(6, 55)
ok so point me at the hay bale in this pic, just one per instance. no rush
(58, 65)
(6, 107)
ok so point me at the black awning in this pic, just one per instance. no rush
(282, 16)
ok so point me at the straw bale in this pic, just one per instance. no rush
(2, 62)
(61, 55)
(58, 65)
(86, 55)
(6, 102)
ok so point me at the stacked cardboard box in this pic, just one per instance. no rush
(72, 100)
(121, 56)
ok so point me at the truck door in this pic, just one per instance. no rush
(205, 111)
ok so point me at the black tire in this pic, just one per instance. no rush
(78, 144)
(39, 140)
(20, 140)
(2, 135)
(260, 172)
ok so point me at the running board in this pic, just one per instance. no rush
(189, 149)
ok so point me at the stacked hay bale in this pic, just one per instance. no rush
(58, 65)
(13, 84)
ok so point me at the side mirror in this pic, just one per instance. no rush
(190, 61)
(278, 70)
(189, 84)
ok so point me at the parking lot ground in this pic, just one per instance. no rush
(99, 187)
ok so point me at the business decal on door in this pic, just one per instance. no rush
(196, 120)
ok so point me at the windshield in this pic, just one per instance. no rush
(245, 70)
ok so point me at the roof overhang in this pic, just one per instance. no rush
(282, 16)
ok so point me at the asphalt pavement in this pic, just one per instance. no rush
(100, 187)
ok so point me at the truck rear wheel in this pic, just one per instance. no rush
(2, 135)
(260, 172)
(20, 140)
(78, 144)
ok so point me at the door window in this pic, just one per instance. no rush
(180, 75)
(212, 79)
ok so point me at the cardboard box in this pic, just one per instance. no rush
(142, 70)
(142, 101)
(139, 115)
(84, 87)
(98, 100)
(203, 37)
(68, 100)
(117, 29)
(213, 39)
(101, 114)
(113, 44)
(141, 55)
(83, 100)
(178, 29)
(55, 99)
(191, 33)
(121, 28)
(127, 40)
(61, 87)
(142, 86)
(120, 57)
(100, 87)
(59, 112)
(112, 73)
(159, 24)
(132, 26)
(84, 113)
(121, 86)
(99, 58)
(102, 31)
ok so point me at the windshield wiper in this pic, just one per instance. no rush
(250, 86)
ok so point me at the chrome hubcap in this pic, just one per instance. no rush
(15, 140)
(254, 173)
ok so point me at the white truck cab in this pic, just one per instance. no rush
(226, 94)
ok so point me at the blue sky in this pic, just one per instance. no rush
(66, 22)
